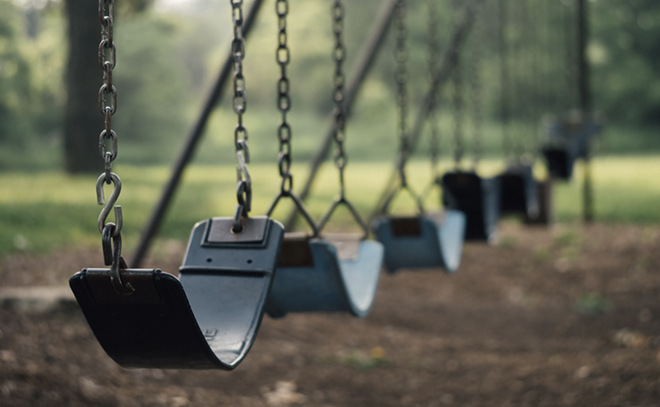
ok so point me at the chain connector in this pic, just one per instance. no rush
(103, 60)
(103, 103)
(118, 264)
(106, 243)
(244, 188)
(100, 197)
(242, 146)
(103, 139)
(237, 227)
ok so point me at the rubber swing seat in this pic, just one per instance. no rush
(519, 191)
(422, 241)
(478, 198)
(208, 318)
(338, 273)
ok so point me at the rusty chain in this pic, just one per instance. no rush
(283, 100)
(433, 59)
(107, 57)
(244, 188)
(400, 76)
(457, 79)
(339, 79)
(476, 92)
(110, 232)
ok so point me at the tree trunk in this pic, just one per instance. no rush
(83, 122)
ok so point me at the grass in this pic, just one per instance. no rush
(40, 212)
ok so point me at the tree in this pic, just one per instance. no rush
(83, 121)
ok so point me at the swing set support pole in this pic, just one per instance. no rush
(585, 103)
(447, 65)
(368, 55)
(190, 146)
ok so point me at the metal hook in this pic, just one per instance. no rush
(100, 198)
(237, 227)
(120, 287)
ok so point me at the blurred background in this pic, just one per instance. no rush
(168, 56)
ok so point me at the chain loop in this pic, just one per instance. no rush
(476, 94)
(433, 59)
(244, 186)
(284, 134)
(107, 101)
(339, 54)
(505, 84)
(282, 57)
(400, 75)
(457, 79)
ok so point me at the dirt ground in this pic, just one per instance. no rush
(568, 316)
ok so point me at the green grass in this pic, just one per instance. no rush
(40, 212)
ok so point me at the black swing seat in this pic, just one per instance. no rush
(433, 240)
(519, 191)
(478, 198)
(208, 318)
(566, 141)
(338, 273)
(560, 161)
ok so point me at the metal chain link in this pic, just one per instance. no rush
(338, 93)
(244, 188)
(107, 101)
(475, 94)
(110, 232)
(400, 75)
(107, 57)
(339, 54)
(458, 111)
(433, 58)
(283, 100)
(505, 84)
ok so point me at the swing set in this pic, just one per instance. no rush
(238, 268)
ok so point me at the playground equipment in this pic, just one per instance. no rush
(423, 240)
(466, 191)
(518, 189)
(321, 273)
(209, 317)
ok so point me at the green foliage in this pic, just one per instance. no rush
(31, 98)
(625, 53)
(169, 57)
(15, 75)
(150, 80)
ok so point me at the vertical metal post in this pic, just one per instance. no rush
(585, 103)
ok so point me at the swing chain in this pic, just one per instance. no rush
(282, 56)
(107, 58)
(505, 85)
(110, 232)
(338, 94)
(244, 187)
(339, 53)
(475, 87)
(284, 100)
(401, 57)
(457, 80)
(434, 48)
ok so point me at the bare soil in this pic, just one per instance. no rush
(568, 316)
